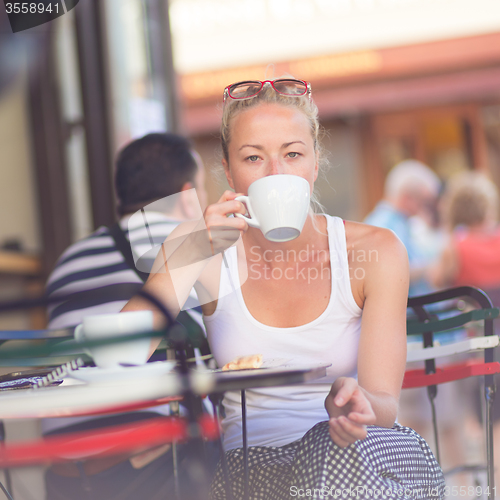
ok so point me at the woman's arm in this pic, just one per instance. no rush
(373, 398)
(186, 253)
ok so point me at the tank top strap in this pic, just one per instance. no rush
(339, 261)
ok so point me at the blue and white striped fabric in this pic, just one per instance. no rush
(92, 277)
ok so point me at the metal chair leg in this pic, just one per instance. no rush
(174, 410)
(216, 400)
(8, 480)
(246, 484)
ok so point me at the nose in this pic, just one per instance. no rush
(276, 167)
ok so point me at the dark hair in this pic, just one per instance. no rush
(152, 167)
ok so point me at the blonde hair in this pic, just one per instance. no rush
(233, 107)
(470, 198)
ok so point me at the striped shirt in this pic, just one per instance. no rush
(92, 277)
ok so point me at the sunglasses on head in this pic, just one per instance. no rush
(284, 86)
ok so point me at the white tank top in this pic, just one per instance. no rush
(281, 415)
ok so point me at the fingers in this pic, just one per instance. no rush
(350, 412)
(338, 401)
(217, 230)
(347, 388)
(217, 214)
(229, 195)
(228, 201)
(334, 434)
(360, 409)
(367, 418)
(345, 432)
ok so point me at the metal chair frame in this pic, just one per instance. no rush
(427, 323)
(176, 335)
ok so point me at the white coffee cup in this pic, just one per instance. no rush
(278, 206)
(106, 326)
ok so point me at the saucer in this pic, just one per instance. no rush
(122, 373)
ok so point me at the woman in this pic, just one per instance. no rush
(337, 433)
(470, 214)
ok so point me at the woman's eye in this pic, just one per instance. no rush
(253, 158)
(293, 154)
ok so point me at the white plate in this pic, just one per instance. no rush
(120, 373)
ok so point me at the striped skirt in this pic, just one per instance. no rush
(389, 464)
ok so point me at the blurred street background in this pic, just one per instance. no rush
(393, 79)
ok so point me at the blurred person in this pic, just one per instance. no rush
(411, 190)
(470, 214)
(411, 193)
(472, 255)
(149, 169)
(93, 277)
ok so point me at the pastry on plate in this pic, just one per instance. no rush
(244, 363)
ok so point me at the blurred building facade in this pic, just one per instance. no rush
(392, 80)
(78, 89)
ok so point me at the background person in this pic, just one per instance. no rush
(148, 169)
(411, 189)
(470, 215)
(338, 432)
(472, 257)
(92, 277)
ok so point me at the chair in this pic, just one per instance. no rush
(25, 376)
(58, 347)
(444, 311)
(111, 440)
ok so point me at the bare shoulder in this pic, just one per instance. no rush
(376, 257)
(378, 240)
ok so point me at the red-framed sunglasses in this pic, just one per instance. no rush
(284, 86)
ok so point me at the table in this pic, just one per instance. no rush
(259, 378)
(102, 397)
(77, 399)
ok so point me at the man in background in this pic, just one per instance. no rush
(411, 190)
(161, 174)
(92, 276)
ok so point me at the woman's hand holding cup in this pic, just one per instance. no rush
(223, 230)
